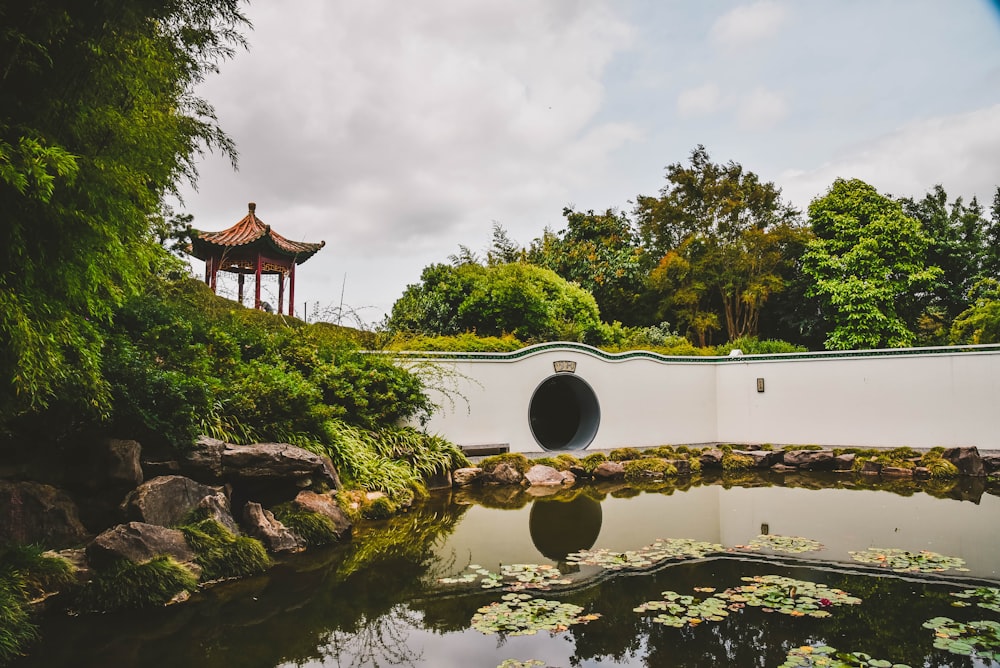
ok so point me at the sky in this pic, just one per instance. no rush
(395, 131)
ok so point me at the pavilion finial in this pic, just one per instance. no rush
(252, 206)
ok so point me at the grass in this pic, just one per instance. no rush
(25, 573)
(129, 586)
(315, 528)
(223, 555)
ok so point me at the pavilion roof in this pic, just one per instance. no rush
(251, 232)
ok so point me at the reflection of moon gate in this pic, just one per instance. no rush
(564, 413)
(560, 527)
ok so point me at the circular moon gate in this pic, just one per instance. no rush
(564, 413)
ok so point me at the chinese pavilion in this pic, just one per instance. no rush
(251, 247)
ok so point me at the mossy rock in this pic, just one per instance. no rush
(224, 555)
(314, 528)
(732, 461)
(592, 461)
(379, 508)
(515, 459)
(646, 468)
(624, 454)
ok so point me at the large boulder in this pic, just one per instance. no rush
(609, 471)
(325, 505)
(764, 459)
(966, 460)
(547, 476)
(467, 476)
(262, 525)
(138, 542)
(810, 460)
(216, 507)
(166, 500)
(31, 512)
(711, 458)
(203, 460)
(844, 462)
(107, 465)
(504, 473)
(991, 463)
(274, 463)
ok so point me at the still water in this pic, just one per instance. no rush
(380, 601)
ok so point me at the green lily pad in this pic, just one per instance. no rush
(985, 597)
(904, 561)
(679, 610)
(788, 596)
(979, 638)
(514, 577)
(830, 657)
(789, 544)
(520, 614)
(662, 549)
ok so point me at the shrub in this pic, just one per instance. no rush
(126, 585)
(515, 459)
(315, 528)
(379, 508)
(751, 345)
(465, 342)
(223, 555)
(637, 469)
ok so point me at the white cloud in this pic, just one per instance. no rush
(960, 152)
(761, 109)
(747, 24)
(699, 101)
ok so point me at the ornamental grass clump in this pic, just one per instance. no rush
(379, 508)
(25, 572)
(222, 554)
(314, 528)
(128, 586)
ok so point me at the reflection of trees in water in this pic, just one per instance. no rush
(375, 641)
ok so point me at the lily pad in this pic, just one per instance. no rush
(679, 610)
(985, 597)
(514, 577)
(788, 596)
(904, 561)
(789, 544)
(830, 657)
(979, 638)
(662, 549)
(520, 614)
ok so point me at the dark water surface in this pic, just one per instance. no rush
(377, 601)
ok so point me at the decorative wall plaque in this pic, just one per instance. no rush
(564, 366)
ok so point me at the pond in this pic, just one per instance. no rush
(762, 571)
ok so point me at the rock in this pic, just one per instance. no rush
(966, 460)
(108, 465)
(547, 476)
(921, 473)
(261, 524)
(810, 460)
(712, 458)
(166, 501)
(325, 505)
(783, 468)
(897, 472)
(683, 466)
(871, 468)
(844, 462)
(504, 474)
(273, 463)
(466, 476)
(31, 512)
(609, 471)
(991, 463)
(138, 542)
(578, 471)
(216, 507)
(203, 460)
(764, 459)
(440, 480)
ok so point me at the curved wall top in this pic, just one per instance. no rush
(921, 397)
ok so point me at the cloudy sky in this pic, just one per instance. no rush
(396, 131)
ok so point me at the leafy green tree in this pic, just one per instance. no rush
(600, 252)
(723, 238)
(980, 322)
(867, 260)
(959, 245)
(528, 302)
(97, 123)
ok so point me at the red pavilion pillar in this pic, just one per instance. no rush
(256, 299)
(281, 291)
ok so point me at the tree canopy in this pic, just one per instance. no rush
(97, 123)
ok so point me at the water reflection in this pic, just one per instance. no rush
(377, 601)
(559, 527)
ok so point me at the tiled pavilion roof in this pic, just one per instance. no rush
(251, 232)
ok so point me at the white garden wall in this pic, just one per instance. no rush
(919, 397)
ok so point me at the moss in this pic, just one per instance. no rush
(661, 451)
(315, 528)
(736, 462)
(223, 555)
(127, 586)
(567, 460)
(638, 469)
(592, 461)
(380, 508)
(766, 447)
(695, 463)
(624, 454)
(937, 465)
(515, 459)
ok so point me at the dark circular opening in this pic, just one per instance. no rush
(564, 413)
(560, 527)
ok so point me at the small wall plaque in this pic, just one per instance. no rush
(564, 366)
(760, 384)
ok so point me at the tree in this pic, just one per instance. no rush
(599, 252)
(980, 322)
(532, 303)
(97, 123)
(723, 238)
(867, 259)
(959, 245)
